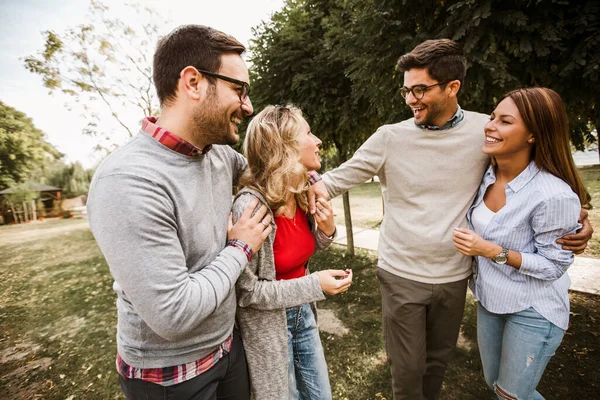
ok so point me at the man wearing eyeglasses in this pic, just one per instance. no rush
(159, 208)
(430, 167)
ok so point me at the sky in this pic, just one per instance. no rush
(21, 36)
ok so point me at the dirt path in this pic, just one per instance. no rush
(18, 234)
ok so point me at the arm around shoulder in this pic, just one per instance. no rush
(556, 217)
(367, 162)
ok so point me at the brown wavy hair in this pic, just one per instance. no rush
(544, 115)
(271, 147)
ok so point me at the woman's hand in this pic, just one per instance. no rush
(329, 282)
(324, 216)
(470, 243)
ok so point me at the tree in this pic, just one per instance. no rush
(375, 34)
(103, 61)
(292, 63)
(23, 147)
(508, 44)
(72, 178)
(518, 43)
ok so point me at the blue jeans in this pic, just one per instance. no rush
(308, 375)
(515, 350)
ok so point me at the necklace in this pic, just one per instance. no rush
(293, 217)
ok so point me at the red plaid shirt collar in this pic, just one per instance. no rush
(170, 140)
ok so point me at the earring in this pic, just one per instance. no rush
(530, 141)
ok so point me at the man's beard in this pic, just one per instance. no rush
(212, 122)
(433, 112)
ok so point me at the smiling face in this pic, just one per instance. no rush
(436, 107)
(309, 146)
(506, 135)
(217, 117)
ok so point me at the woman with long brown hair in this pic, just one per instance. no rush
(275, 292)
(530, 196)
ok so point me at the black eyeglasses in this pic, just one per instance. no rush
(418, 91)
(244, 86)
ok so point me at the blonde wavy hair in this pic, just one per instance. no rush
(273, 153)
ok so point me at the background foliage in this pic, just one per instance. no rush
(336, 58)
(23, 147)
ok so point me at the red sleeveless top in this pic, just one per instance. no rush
(294, 245)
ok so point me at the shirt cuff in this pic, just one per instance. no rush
(242, 246)
(333, 235)
(313, 177)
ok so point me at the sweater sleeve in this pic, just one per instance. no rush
(555, 218)
(255, 290)
(322, 240)
(367, 162)
(134, 223)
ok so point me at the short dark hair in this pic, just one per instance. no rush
(443, 59)
(196, 45)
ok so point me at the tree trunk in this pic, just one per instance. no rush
(348, 223)
(346, 201)
(33, 210)
(14, 212)
(25, 213)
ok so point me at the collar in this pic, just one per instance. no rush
(456, 119)
(519, 182)
(171, 140)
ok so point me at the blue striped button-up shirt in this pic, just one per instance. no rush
(540, 208)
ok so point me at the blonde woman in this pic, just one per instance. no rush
(275, 292)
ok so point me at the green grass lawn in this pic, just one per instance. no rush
(58, 319)
(366, 206)
(57, 314)
(357, 364)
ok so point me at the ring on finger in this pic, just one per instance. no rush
(263, 223)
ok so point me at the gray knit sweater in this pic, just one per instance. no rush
(160, 219)
(261, 315)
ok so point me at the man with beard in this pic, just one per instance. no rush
(430, 168)
(159, 208)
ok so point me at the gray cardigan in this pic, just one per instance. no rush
(262, 301)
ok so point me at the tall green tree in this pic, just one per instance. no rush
(508, 44)
(370, 40)
(72, 178)
(104, 62)
(23, 148)
(517, 43)
(292, 62)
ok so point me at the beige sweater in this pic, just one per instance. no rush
(429, 178)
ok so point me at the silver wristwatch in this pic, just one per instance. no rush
(502, 257)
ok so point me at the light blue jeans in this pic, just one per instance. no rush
(308, 375)
(515, 350)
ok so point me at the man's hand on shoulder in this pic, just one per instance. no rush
(578, 241)
(251, 229)
(315, 191)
